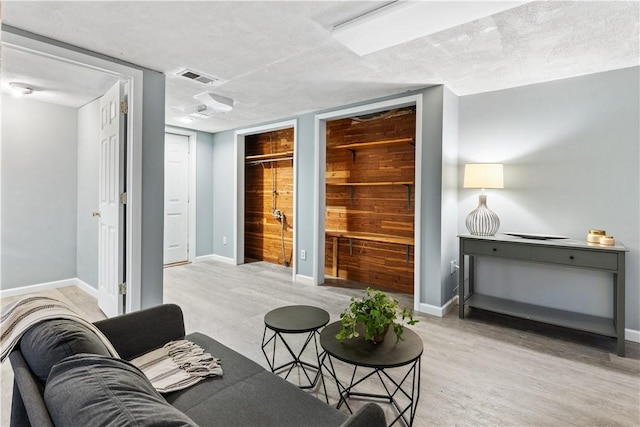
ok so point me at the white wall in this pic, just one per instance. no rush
(39, 181)
(88, 168)
(571, 154)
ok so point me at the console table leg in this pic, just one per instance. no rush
(618, 283)
(461, 282)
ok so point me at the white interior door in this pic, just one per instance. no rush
(176, 198)
(111, 239)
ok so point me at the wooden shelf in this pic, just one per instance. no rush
(553, 316)
(273, 156)
(355, 146)
(362, 184)
(408, 184)
(374, 237)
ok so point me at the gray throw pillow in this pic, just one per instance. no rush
(97, 391)
(50, 341)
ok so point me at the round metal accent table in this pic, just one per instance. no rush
(294, 319)
(400, 390)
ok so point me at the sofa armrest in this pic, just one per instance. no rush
(29, 400)
(139, 332)
(370, 415)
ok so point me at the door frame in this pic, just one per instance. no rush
(193, 200)
(320, 173)
(133, 80)
(238, 200)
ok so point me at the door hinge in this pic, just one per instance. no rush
(124, 107)
(122, 288)
(123, 198)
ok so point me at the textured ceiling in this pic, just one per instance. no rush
(278, 59)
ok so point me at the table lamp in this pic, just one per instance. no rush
(482, 221)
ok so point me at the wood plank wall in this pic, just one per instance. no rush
(376, 209)
(262, 232)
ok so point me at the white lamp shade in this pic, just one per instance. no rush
(483, 175)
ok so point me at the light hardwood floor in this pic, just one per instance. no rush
(484, 370)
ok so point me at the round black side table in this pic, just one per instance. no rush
(294, 319)
(403, 394)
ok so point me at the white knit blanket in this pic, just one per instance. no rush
(18, 317)
(177, 365)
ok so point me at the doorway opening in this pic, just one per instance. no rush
(370, 200)
(320, 237)
(268, 197)
(125, 268)
(179, 197)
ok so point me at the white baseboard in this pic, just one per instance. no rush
(632, 335)
(87, 288)
(434, 310)
(305, 280)
(203, 258)
(220, 258)
(39, 287)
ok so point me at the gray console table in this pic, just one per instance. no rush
(565, 252)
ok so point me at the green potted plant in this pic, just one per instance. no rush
(376, 311)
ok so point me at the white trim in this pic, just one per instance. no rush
(238, 200)
(40, 287)
(220, 258)
(203, 258)
(305, 280)
(133, 79)
(193, 200)
(417, 212)
(434, 310)
(631, 335)
(320, 167)
(87, 288)
(294, 242)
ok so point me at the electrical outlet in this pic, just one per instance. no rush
(453, 267)
(303, 255)
(224, 240)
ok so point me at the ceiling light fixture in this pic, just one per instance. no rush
(403, 21)
(215, 102)
(20, 89)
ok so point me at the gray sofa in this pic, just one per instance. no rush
(63, 377)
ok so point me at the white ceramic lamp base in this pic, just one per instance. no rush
(482, 221)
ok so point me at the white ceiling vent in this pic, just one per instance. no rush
(199, 77)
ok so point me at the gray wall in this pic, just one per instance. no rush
(431, 195)
(223, 193)
(449, 200)
(39, 180)
(571, 150)
(152, 188)
(306, 203)
(204, 194)
(87, 195)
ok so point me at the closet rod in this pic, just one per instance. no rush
(257, 162)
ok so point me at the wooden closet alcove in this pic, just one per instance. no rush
(369, 220)
(269, 187)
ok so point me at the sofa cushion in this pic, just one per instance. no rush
(235, 366)
(264, 400)
(92, 390)
(50, 341)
